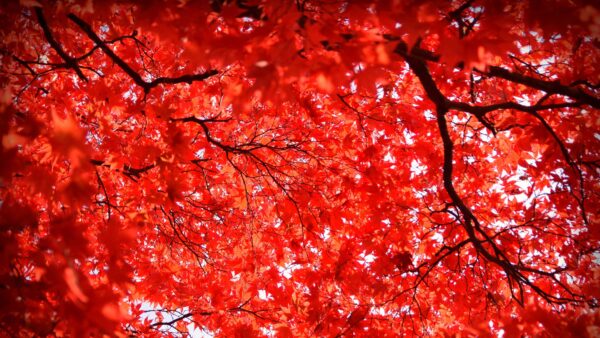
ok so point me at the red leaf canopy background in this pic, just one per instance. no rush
(300, 168)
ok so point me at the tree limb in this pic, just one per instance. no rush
(550, 87)
(137, 78)
(477, 235)
(69, 61)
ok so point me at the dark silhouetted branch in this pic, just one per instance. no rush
(550, 87)
(137, 78)
(69, 61)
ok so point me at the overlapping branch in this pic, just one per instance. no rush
(179, 316)
(550, 87)
(135, 76)
(249, 149)
(419, 56)
(134, 173)
(73, 63)
(482, 242)
(70, 62)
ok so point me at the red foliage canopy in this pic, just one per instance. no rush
(307, 168)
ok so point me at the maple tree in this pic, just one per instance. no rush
(300, 168)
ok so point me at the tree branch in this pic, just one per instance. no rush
(129, 171)
(419, 68)
(171, 322)
(414, 54)
(550, 87)
(137, 78)
(514, 271)
(69, 61)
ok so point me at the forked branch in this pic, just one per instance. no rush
(135, 76)
(70, 62)
(516, 273)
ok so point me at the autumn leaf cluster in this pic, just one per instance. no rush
(300, 168)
